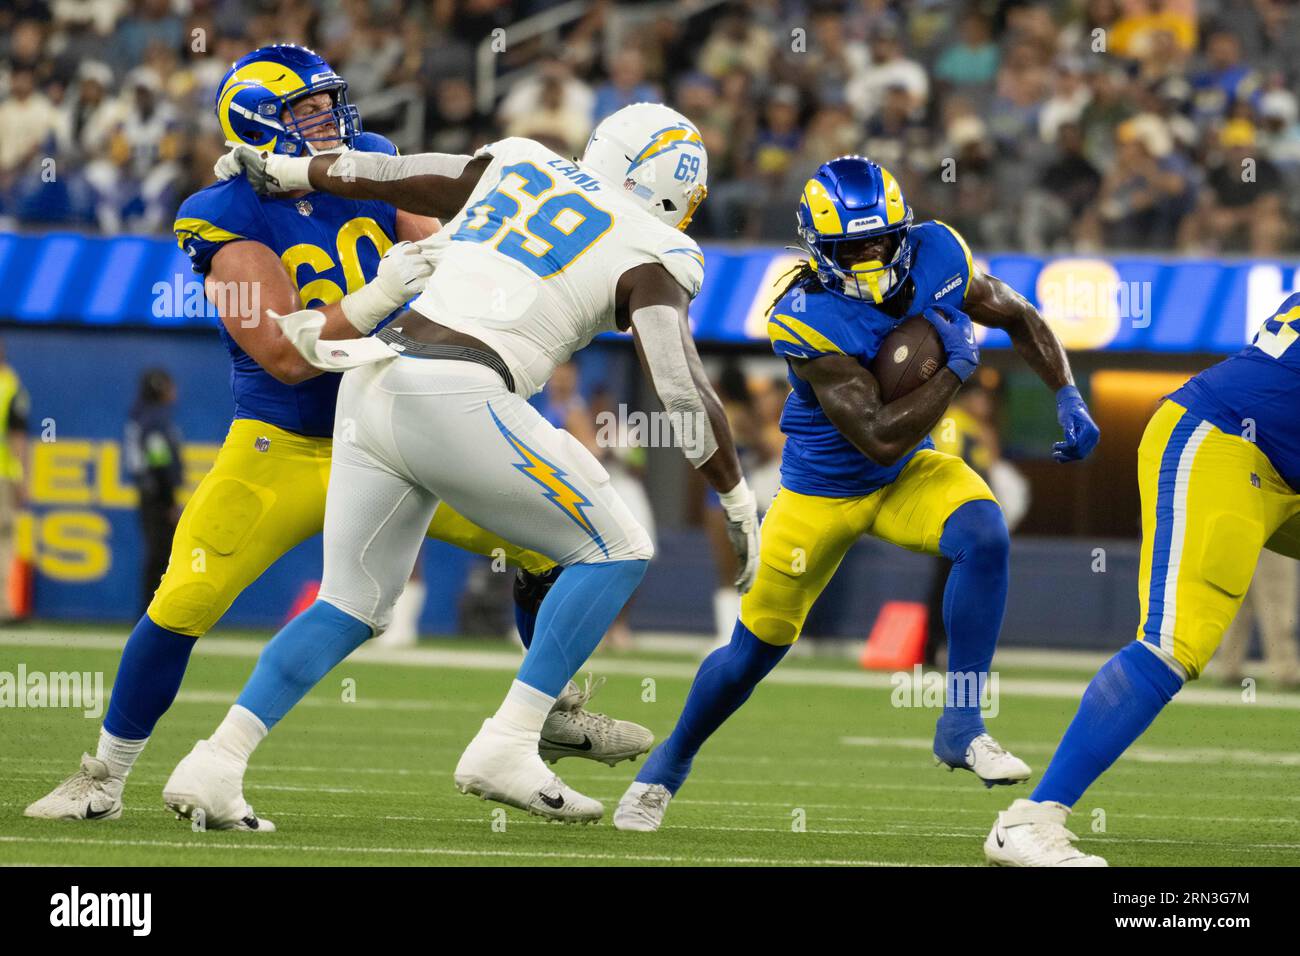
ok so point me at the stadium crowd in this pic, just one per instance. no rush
(1136, 124)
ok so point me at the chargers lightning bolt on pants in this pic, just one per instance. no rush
(411, 432)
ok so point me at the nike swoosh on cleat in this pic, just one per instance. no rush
(585, 745)
(553, 802)
(997, 835)
(93, 814)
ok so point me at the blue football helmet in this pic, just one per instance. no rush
(855, 225)
(256, 91)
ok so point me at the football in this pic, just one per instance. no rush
(908, 358)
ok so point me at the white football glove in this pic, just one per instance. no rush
(402, 274)
(266, 172)
(741, 512)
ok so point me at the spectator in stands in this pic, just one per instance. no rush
(1147, 191)
(1226, 78)
(626, 84)
(153, 459)
(1057, 203)
(1241, 202)
(136, 182)
(973, 60)
(890, 67)
(28, 130)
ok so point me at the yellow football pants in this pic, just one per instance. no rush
(805, 537)
(1210, 502)
(264, 495)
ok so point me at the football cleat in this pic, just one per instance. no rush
(571, 731)
(502, 764)
(642, 807)
(89, 794)
(989, 761)
(1034, 834)
(207, 787)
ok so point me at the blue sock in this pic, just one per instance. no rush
(975, 538)
(1120, 703)
(724, 681)
(574, 617)
(530, 590)
(148, 677)
(298, 657)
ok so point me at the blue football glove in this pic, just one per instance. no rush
(958, 338)
(1081, 432)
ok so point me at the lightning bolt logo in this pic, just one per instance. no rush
(564, 496)
(665, 140)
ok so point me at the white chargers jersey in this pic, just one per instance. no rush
(531, 262)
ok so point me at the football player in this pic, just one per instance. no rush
(853, 465)
(266, 490)
(541, 254)
(1218, 466)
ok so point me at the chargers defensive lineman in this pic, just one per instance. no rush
(1218, 469)
(266, 490)
(853, 466)
(541, 254)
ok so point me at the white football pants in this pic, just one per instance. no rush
(411, 432)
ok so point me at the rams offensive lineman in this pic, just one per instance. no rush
(266, 490)
(1218, 469)
(853, 466)
(541, 254)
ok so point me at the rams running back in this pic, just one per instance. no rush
(854, 466)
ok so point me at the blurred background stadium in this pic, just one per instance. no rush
(1130, 165)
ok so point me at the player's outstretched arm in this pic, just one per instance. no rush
(429, 184)
(991, 302)
(250, 287)
(656, 306)
(850, 396)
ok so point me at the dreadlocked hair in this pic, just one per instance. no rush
(803, 272)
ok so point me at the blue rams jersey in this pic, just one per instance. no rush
(1256, 392)
(330, 246)
(808, 322)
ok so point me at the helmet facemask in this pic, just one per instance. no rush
(856, 265)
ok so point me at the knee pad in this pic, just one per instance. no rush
(188, 607)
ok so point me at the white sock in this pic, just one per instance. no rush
(118, 753)
(240, 733)
(525, 708)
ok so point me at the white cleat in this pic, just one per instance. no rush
(571, 731)
(642, 807)
(1034, 834)
(207, 786)
(89, 794)
(503, 765)
(991, 762)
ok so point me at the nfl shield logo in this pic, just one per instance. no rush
(304, 207)
(262, 443)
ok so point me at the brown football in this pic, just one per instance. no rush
(908, 358)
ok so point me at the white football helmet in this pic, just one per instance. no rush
(655, 154)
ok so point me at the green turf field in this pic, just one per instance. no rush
(818, 768)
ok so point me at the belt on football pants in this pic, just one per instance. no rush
(456, 353)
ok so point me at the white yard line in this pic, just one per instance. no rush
(450, 659)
